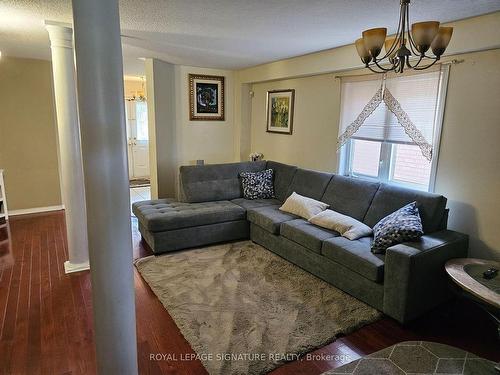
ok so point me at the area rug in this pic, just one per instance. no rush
(245, 310)
(419, 357)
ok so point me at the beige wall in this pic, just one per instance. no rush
(211, 141)
(469, 156)
(315, 123)
(28, 138)
(176, 139)
(469, 159)
(162, 113)
(472, 34)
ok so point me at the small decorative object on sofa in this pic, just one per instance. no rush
(257, 185)
(206, 98)
(303, 206)
(347, 226)
(280, 105)
(256, 156)
(400, 226)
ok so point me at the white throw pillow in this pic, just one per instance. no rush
(347, 226)
(303, 206)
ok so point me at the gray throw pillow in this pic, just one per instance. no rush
(400, 226)
(257, 185)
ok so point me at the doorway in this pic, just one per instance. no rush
(138, 141)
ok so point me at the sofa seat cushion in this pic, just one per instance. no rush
(254, 203)
(269, 218)
(306, 234)
(167, 214)
(355, 255)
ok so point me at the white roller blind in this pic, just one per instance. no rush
(355, 95)
(418, 98)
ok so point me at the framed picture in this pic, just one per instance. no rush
(280, 105)
(206, 98)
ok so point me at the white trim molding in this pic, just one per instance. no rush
(35, 210)
(75, 267)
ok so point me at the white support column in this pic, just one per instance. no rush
(101, 107)
(70, 155)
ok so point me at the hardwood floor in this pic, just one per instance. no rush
(46, 317)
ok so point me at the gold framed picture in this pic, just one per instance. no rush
(280, 105)
(206, 98)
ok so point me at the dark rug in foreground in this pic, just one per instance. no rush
(245, 308)
(418, 357)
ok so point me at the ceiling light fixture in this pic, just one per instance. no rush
(420, 38)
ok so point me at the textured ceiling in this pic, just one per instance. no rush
(225, 33)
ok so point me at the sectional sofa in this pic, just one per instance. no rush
(404, 283)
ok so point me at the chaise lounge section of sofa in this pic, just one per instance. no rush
(404, 283)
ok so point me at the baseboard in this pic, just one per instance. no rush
(35, 210)
(75, 267)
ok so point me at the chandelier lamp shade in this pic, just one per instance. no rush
(408, 44)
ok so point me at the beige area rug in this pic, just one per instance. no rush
(245, 310)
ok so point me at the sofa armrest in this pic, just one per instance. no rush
(415, 279)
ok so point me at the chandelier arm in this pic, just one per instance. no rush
(396, 40)
(400, 67)
(392, 49)
(427, 66)
(382, 68)
(431, 57)
(416, 64)
(413, 46)
(374, 71)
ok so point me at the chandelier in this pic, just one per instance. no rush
(420, 38)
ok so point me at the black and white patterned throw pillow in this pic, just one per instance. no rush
(400, 226)
(257, 185)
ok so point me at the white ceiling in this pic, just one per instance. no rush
(225, 33)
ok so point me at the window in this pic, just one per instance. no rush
(376, 144)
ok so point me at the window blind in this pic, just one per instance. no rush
(401, 109)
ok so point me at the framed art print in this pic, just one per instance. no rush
(206, 97)
(280, 105)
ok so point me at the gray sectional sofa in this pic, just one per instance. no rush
(404, 283)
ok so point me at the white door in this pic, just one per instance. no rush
(138, 139)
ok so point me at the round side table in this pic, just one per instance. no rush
(467, 273)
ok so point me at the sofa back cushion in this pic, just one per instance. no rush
(350, 196)
(214, 182)
(309, 183)
(389, 198)
(283, 176)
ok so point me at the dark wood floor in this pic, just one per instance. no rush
(46, 317)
